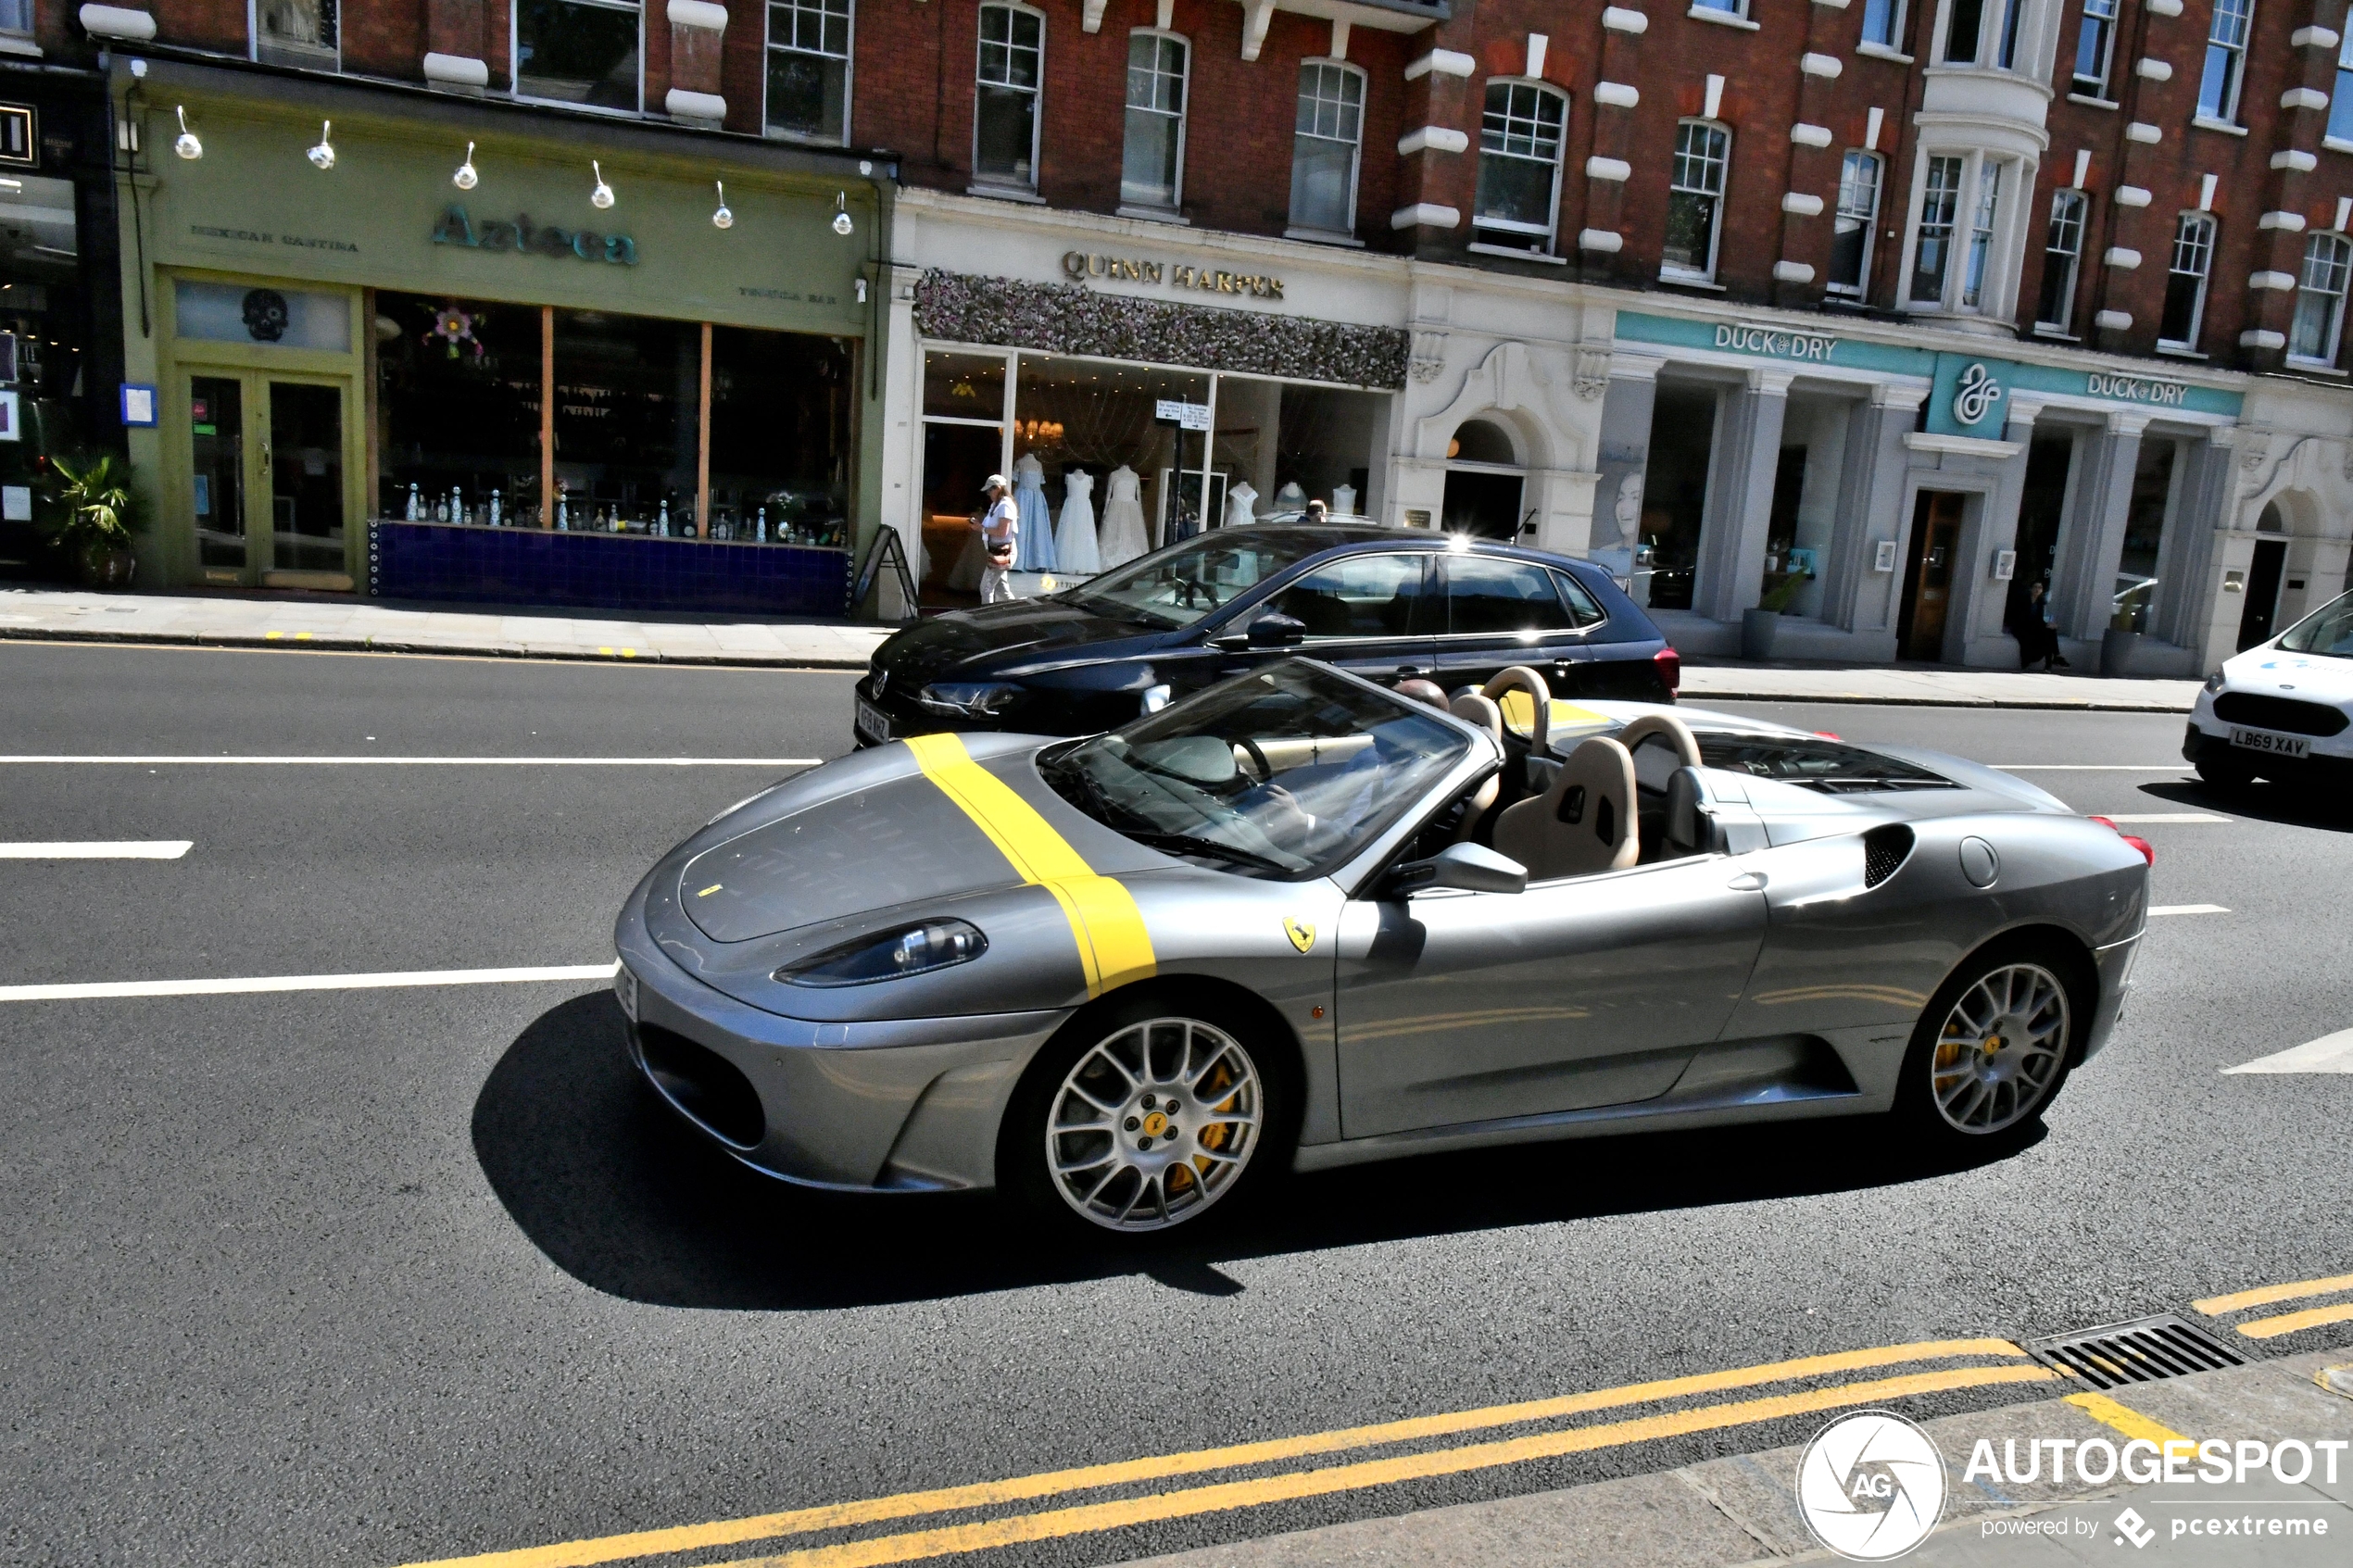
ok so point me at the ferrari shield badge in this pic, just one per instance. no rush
(1301, 934)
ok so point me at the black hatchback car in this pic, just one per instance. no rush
(1383, 603)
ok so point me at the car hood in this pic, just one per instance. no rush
(1023, 633)
(2312, 677)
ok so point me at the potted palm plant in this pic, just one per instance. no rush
(97, 516)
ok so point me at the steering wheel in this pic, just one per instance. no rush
(1540, 734)
(1257, 759)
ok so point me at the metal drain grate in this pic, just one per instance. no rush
(2139, 1351)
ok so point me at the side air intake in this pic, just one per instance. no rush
(1884, 851)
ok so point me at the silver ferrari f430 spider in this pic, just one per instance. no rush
(1298, 920)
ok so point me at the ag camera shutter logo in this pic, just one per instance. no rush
(1870, 1485)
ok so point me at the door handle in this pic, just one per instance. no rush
(1748, 881)
(1413, 672)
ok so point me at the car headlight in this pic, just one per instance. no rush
(2214, 682)
(891, 955)
(969, 700)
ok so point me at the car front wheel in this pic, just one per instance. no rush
(1993, 1047)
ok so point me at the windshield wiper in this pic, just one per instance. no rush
(1185, 843)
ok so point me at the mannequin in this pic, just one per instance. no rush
(1036, 545)
(1343, 500)
(1290, 497)
(1075, 546)
(1237, 505)
(1125, 536)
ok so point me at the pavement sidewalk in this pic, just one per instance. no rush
(1742, 1511)
(339, 622)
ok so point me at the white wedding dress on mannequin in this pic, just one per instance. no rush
(1238, 505)
(1125, 535)
(1074, 547)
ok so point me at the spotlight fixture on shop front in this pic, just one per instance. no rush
(466, 178)
(722, 218)
(601, 197)
(187, 146)
(841, 214)
(324, 154)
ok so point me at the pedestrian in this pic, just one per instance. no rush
(2031, 624)
(999, 528)
(1318, 512)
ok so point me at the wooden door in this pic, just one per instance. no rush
(1928, 575)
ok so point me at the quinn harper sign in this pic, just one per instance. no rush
(1078, 266)
(521, 235)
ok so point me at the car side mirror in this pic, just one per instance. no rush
(1275, 630)
(1692, 828)
(1471, 867)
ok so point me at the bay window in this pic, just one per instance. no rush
(1012, 61)
(1965, 240)
(1932, 246)
(2319, 299)
(1152, 168)
(1967, 24)
(1325, 133)
(2193, 258)
(2218, 88)
(582, 52)
(1519, 164)
(809, 70)
(1858, 183)
(2062, 257)
(1696, 201)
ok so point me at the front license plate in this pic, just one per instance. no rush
(624, 986)
(2276, 745)
(873, 724)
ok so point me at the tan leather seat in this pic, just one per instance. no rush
(1583, 824)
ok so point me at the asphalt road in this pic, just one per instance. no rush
(378, 1276)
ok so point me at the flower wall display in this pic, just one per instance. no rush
(1068, 318)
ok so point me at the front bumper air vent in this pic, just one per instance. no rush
(704, 1085)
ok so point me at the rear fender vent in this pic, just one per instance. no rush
(2140, 1352)
(1883, 850)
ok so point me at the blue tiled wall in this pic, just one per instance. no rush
(532, 566)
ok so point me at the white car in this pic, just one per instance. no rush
(2282, 709)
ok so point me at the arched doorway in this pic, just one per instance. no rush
(2265, 569)
(1485, 487)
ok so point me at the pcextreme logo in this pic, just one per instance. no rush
(1871, 1485)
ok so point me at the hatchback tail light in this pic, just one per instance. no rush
(1670, 668)
(2148, 850)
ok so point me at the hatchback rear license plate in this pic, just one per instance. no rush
(873, 724)
(2276, 745)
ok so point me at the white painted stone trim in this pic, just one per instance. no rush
(698, 13)
(1802, 203)
(1833, 4)
(458, 70)
(1443, 62)
(2295, 158)
(1615, 169)
(2304, 99)
(1806, 135)
(1426, 215)
(2131, 195)
(703, 107)
(2154, 71)
(2261, 337)
(2291, 221)
(2140, 131)
(1606, 240)
(2122, 257)
(1617, 94)
(1796, 271)
(1431, 138)
(2165, 7)
(1617, 18)
(2113, 321)
(2279, 283)
(1826, 66)
(118, 22)
(2314, 38)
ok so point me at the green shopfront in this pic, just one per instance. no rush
(1899, 493)
(428, 348)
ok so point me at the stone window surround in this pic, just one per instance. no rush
(2005, 265)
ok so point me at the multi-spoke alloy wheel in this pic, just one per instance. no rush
(1156, 1121)
(2001, 1050)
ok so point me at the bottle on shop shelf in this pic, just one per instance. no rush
(564, 523)
(441, 508)
(496, 507)
(456, 503)
(416, 506)
(760, 530)
(661, 523)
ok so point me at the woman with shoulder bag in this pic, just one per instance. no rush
(999, 527)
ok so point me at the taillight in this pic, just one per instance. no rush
(1670, 668)
(2148, 850)
(1827, 734)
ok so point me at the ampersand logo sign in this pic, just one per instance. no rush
(1976, 396)
(1871, 1485)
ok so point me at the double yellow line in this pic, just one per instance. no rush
(2285, 1322)
(2010, 1366)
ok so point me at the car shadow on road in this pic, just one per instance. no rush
(619, 1193)
(2283, 804)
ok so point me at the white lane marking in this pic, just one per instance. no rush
(127, 850)
(2330, 1053)
(2187, 909)
(90, 990)
(2092, 767)
(439, 762)
(2120, 817)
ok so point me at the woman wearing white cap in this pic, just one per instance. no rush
(999, 532)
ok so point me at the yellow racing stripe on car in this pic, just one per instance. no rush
(1113, 945)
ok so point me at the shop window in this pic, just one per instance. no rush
(1151, 167)
(780, 445)
(1329, 127)
(2062, 258)
(1294, 443)
(1012, 59)
(2217, 85)
(1519, 164)
(2144, 520)
(2094, 42)
(2193, 258)
(1675, 495)
(279, 318)
(1695, 200)
(2320, 300)
(582, 52)
(627, 404)
(457, 407)
(1858, 183)
(1883, 23)
(2340, 131)
(809, 70)
(292, 32)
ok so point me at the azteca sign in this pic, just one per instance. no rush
(519, 236)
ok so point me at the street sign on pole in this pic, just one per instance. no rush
(1183, 415)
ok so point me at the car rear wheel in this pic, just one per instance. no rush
(1992, 1048)
(1142, 1118)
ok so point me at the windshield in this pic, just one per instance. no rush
(2327, 631)
(1281, 773)
(1180, 584)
